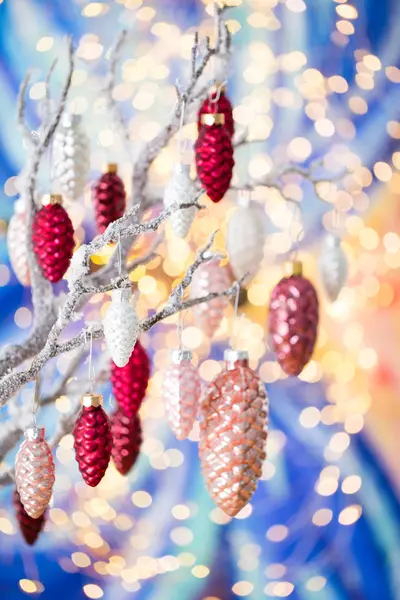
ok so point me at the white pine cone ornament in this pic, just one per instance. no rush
(121, 327)
(180, 190)
(34, 472)
(17, 243)
(245, 238)
(181, 391)
(209, 278)
(333, 266)
(71, 156)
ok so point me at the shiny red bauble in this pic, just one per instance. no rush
(127, 439)
(214, 156)
(218, 102)
(92, 440)
(129, 383)
(293, 321)
(53, 239)
(29, 527)
(109, 198)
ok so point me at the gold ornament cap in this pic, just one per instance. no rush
(52, 199)
(210, 119)
(94, 400)
(112, 168)
(294, 267)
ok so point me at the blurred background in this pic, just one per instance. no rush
(315, 79)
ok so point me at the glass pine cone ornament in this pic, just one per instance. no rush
(245, 238)
(181, 391)
(233, 433)
(214, 156)
(71, 156)
(34, 472)
(181, 190)
(92, 439)
(109, 198)
(121, 326)
(293, 321)
(129, 383)
(17, 243)
(333, 266)
(53, 239)
(30, 528)
(218, 102)
(209, 278)
(127, 439)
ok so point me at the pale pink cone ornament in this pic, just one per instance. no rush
(210, 277)
(233, 433)
(34, 472)
(181, 390)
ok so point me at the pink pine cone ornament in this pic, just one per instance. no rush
(233, 433)
(34, 472)
(129, 383)
(181, 390)
(127, 440)
(93, 439)
(109, 198)
(293, 321)
(210, 277)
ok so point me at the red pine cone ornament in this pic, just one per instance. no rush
(214, 156)
(129, 383)
(93, 439)
(127, 439)
(293, 321)
(233, 433)
(29, 527)
(53, 239)
(109, 198)
(217, 102)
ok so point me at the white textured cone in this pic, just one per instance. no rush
(16, 244)
(245, 239)
(71, 157)
(333, 266)
(121, 325)
(209, 278)
(180, 190)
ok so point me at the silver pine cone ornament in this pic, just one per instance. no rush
(333, 266)
(180, 190)
(71, 157)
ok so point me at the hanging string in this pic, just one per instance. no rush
(296, 242)
(180, 324)
(35, 401)
(91, 374)
(183, 108)
(119, 255)
(234, 334)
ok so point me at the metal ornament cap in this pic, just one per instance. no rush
(94, 400)
(211, 119)
(35, 433)
(122, 294)
(112, 168)
(233, 356)
(70, 120)
(177, 356)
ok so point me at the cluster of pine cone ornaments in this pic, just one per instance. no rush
(233, 410)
